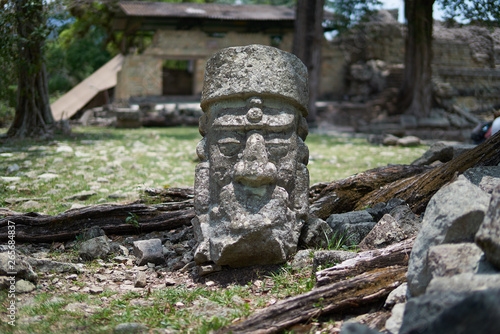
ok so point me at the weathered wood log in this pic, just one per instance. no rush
(414, 184)
(396, 254)
(343, 195)
(341, 297)
(417, 190)
(112, 218)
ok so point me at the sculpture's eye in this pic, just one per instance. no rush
(229, 146)
(276, 151)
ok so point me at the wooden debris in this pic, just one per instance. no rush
(396, 254)
(341, 297)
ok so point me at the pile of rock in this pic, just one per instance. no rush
(454, 268)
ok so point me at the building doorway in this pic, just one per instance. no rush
(177, 77)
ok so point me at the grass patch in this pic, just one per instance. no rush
(117, 163)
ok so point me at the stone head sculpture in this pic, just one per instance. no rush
(251, 185)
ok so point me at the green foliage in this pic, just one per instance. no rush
(486, 11)
(349, 13)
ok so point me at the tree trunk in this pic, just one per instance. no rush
(343, 297)
(307, 42)
(33, 115)
(416, 94)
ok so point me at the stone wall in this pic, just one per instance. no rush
(142, 74)
(466, 58)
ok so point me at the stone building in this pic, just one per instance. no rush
(188, 34)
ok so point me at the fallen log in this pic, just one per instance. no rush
(396, 254)
(342, 195)
(414, 184)
(112, 218)
(342, 297)
(417, 190)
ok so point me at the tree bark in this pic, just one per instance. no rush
(416, 93)
(33, 116)
(394, 255)
(343, 195)
(343, 297)
(307, 43)
(113, 219)
(414, 184)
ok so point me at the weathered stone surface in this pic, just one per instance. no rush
(251, 185)
(316, 233)
(488, 236)
(353, 226)
(409, 141)
(397, 296)
(451, 259)
(130, 328)
(465, 282)
(48, 266)
(356, 328)
(96, 248)
(380, 209)
(453, 215)
(393, 324)
(23, 286)
(148, 251)
(402, 224)
(303, 259)
(330, 257)
(140, 280)
(452, 313)
(442, 152)
(476, 174)
(489, 184)
(16, 264)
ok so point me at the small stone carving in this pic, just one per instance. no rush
(251, 185)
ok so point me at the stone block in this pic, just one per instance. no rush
(488, 236)
(453, 215)
(148, 251)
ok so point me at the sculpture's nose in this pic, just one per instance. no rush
(255, 169)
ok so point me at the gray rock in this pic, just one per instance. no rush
(13, 168)
(452, 259)
(488, 236)
(316, 233)
(476, 174)
(352, 227)
(489, 183)
(48, 266)
(130, 328)
(391, 229)
(393, 324)
(148, 251)
(453, 313)
(466, 282)
(453, 215)
(208, 269)
(140, 280)
(23, 286)
(390, 140)
(21, 267)
(91, 233)
(330, 257)
(409, 141)
(30, 205)
(439, 151)
(380, 209)
(303, 259)
(397, 296)
(96, 248)
(356, 328)
(81, 196)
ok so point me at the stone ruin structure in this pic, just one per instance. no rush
(251, 185)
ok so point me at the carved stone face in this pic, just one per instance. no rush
(251, 185)
(256, 200)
